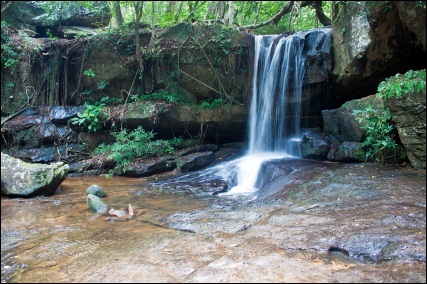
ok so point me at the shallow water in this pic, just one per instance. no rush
(44, 238)
(58, 239)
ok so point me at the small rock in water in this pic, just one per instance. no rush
(96, 204)
(95, 190)
(118, 213)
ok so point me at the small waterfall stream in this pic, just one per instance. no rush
(275, 111)
(278, 74)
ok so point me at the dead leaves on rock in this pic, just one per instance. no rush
(117, 215)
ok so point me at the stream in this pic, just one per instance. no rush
(304, 232)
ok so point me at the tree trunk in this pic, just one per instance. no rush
(211, 10)
(242, 14)
(138, 5)
(178, 12)
(220, 10)
(118, 13)
(193, 9)
(171, 7)
(287, 8)
(257, 13)
(231, 14)
(5, 7)
(320, 14)
(335, 11)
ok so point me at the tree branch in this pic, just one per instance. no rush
(6, 6)
(287, 8)
(194, 10)
(320, 14)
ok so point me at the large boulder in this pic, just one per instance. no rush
(372, 41)
(195, 161)
(346, 132)
(21, 179)
(410, 114)
(315, 145)
(151, 167)
(47, 154)
(219, 125)
(36, 128)
(342, 125)
(96, 190)
(96, 204)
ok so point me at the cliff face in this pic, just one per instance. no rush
(203, 73)
(373, 41)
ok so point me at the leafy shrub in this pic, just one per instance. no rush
(212, 105)
(135, 144)
(9, 52)
(161, 96)
(401, 85)
(380, 132)
(91, 117)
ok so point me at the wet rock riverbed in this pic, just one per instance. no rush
(312, 222)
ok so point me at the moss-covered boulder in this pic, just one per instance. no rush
(30, 15)
(346, 132)
(21, 179)
(409, 111)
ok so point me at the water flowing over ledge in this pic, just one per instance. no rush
(274, 121)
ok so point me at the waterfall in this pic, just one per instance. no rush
(277, 81)
(275, 109)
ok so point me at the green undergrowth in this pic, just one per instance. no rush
(133, 144)
(380, 141)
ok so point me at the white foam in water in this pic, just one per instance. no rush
(274, 115)
(247, 172)
(269, 127)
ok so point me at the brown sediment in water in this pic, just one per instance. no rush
(182, 237)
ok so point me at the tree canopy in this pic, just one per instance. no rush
(263, 17)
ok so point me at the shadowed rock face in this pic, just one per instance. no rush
(372, 41)
(410, 113)
(19, 178)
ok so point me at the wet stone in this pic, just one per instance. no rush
(96, 190)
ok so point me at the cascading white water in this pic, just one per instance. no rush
(275, 108)
(277, 82)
